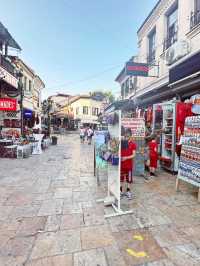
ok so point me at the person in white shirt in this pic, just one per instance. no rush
(82, 134)
(89, 135)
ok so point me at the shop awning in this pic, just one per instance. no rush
(125, 105)
(6, 37)
(185, 69)
(88, 121)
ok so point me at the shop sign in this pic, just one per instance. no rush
(7, 104)
(196, 104)
(9, 78)
(137, 69)
(28, 113)
(137, 126)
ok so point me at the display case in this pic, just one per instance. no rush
(189, 167)
(168, 124)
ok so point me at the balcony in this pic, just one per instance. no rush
(5, 64)
(194, 19)
(7, 71)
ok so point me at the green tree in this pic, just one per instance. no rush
(108, 95)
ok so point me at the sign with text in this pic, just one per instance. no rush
(137, 69)
(7, 104)
(9, 78)
(137, 126)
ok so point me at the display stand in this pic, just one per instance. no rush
(170, 117)
(99, 141)
(137, 126)
(37, 149)
(114, 166)
(189, 167)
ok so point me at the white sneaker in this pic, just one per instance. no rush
(129, 195)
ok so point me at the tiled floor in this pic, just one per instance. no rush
(49, 215)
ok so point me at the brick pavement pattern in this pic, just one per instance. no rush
(49, 215)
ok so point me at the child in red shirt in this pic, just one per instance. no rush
(153, 155)
(128, 149)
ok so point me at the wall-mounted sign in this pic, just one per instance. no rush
(9, 78)
(137, 126)
(137, 69)
(28, 113)
(7, 104)
(196, 104)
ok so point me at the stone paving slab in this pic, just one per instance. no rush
(56, 243)
(51, 207)
(96, 236)
(49, 215)
(92, 257)
(62, 260)
(138, 247)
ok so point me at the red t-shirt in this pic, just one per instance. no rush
(128, 164)
(153, 149)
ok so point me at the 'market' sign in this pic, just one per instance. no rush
(7, 104)
(137, 69)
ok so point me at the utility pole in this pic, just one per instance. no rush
(20, 87)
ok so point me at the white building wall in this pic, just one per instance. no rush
(158, 19)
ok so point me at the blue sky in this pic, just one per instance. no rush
(76, 46)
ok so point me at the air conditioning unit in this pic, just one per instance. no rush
(176, 52)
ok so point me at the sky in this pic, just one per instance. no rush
(76, 46)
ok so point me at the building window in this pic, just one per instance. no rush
(197, 5)
(152, 47)
(127, 88)
(77, 110)
(30, 85)
(172, 28)
(85, 110)
(25, 83)
(122, 90)
(38, 99)
(95, 111)
(195, 16)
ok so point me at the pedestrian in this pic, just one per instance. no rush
(82, 134)
(153, 155)
(128, 150)
(89, 135)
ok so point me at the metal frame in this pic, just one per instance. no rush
(117, 209)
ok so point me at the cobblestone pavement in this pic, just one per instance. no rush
(49, 215)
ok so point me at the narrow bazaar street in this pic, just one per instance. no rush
(49, 215)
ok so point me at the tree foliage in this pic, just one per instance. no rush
(108, 95)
